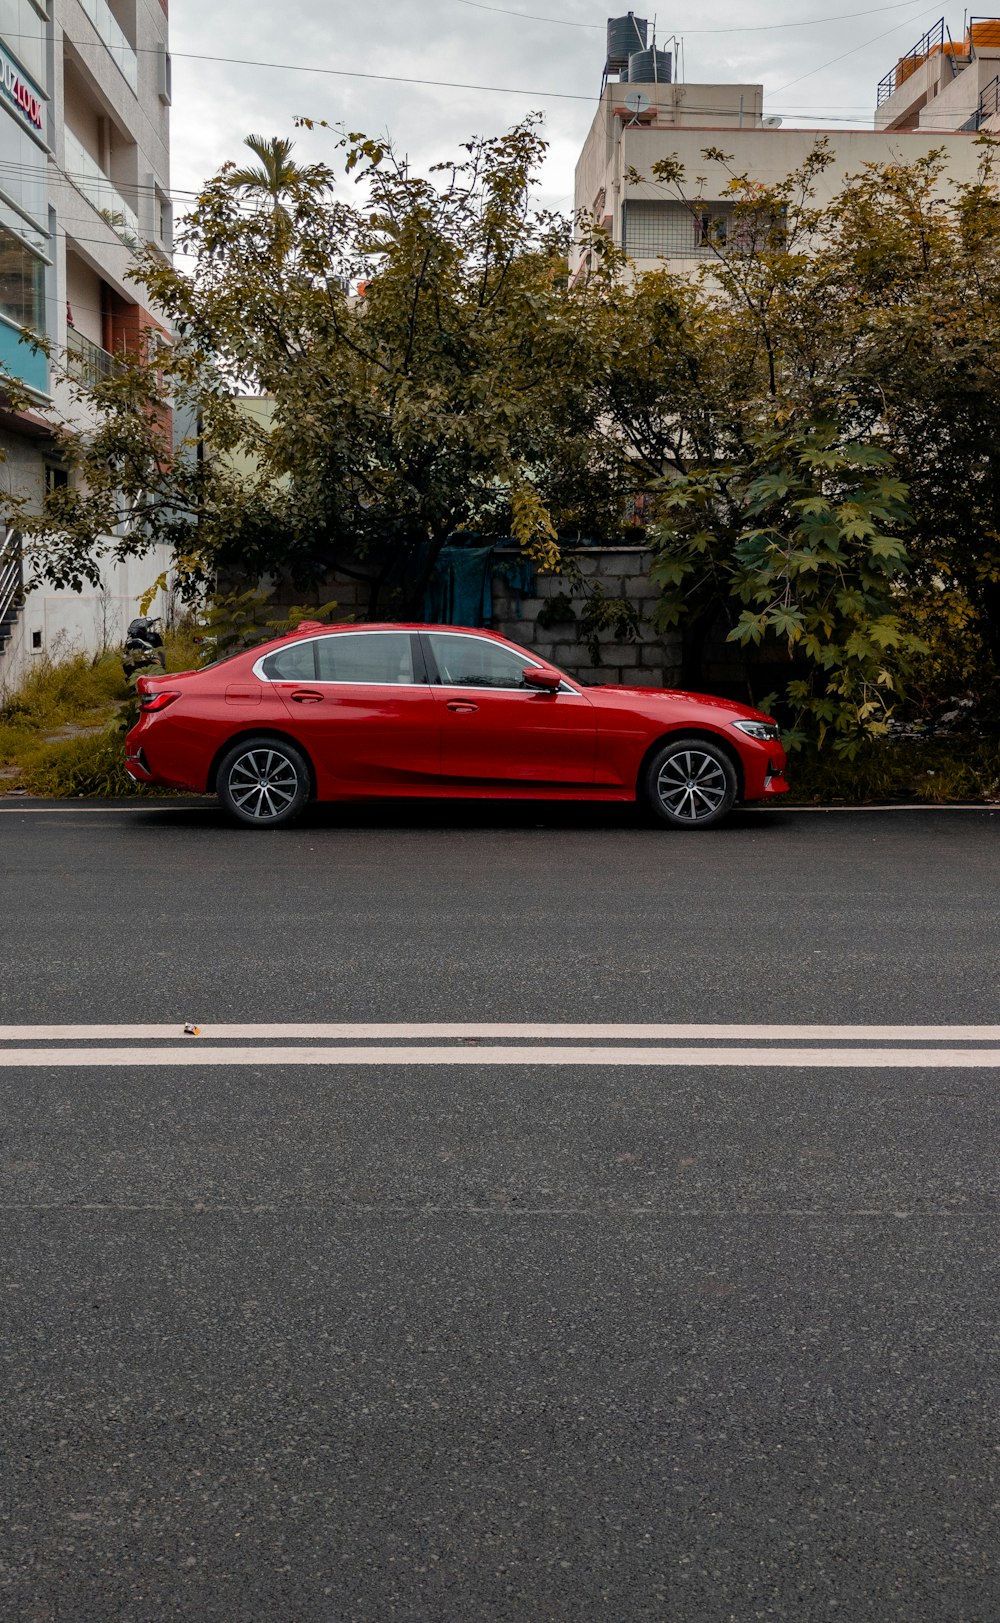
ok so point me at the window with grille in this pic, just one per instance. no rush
(674, 230)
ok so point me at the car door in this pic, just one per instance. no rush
(363, 708)
(495, 729)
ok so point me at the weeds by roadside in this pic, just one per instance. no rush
(940, 771)
(61, 732)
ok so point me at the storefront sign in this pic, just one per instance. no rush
(16, 89)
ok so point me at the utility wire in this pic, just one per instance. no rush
(755, 28)
(915, 17)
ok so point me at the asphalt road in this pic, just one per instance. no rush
(709, 1344)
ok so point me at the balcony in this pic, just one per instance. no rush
(87, 362)
(122, 54)
(90, 180)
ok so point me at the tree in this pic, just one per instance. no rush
(427, 368)
(818, 419)
(275, 173)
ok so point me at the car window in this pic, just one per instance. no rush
(296, 663)
(476, 662)
(366, 656)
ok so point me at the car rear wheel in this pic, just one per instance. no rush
(263, 782)
(690, 783)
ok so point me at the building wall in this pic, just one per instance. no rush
(103, 170)
(768, 155)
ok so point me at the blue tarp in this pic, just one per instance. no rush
(460, 591)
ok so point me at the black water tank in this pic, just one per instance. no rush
(650, 67)
(625, 35)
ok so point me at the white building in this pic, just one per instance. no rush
(940, 85)
(84, 176)
(643, 117)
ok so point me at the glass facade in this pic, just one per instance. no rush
(22, 282)
(23, 187)
(22, 29)
(23, 172)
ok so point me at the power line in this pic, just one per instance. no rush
(915, 17)
(755, 28)
(529, 16)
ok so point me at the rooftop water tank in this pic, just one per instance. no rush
(625, 35)
(650, 67)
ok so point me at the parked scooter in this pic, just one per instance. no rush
(143, 646)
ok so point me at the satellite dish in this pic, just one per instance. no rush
(770, 123)
(636, 102)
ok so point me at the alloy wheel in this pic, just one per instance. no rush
(262, 783)
(691, 786)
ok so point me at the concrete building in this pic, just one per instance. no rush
(943, 86)
(84, 177)
(644, 116)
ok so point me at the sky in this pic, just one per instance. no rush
(819, 68)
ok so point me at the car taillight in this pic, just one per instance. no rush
(156, 701)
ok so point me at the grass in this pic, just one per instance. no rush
(61, 732)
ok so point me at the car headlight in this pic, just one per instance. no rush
(765, 730)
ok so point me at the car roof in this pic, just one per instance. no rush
(309, 628)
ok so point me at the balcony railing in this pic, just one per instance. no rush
(989, 101)
(86, 361)
(103, 19)
(933, 43)
(89, 178)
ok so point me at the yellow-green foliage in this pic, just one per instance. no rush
(76, 693)
(57, 692)
(93, 764)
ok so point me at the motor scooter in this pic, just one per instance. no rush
(143, 646)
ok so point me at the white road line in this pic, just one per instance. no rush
(197, 1054)
(208, 801)
(416, 1031)
(91, 811)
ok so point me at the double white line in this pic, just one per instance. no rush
(485, 1044)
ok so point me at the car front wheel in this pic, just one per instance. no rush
(690, 783)
(263, 782)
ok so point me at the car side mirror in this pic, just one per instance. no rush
(535, 678)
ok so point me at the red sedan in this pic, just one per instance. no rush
(356, 712)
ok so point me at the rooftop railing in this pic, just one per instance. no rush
(108, 27)
(929, 44)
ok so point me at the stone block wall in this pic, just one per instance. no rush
(653, 660)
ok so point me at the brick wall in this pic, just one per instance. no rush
(653, 660)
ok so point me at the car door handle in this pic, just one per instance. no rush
(306, 696)
(463, 707)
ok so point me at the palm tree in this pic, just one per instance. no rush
(275, 175)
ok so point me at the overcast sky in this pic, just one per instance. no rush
(217, 103)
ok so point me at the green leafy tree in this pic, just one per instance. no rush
(799, 546)
(842, 359)
(426, 366)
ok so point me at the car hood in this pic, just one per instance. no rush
(670, 698)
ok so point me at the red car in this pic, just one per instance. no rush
(356, 712)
